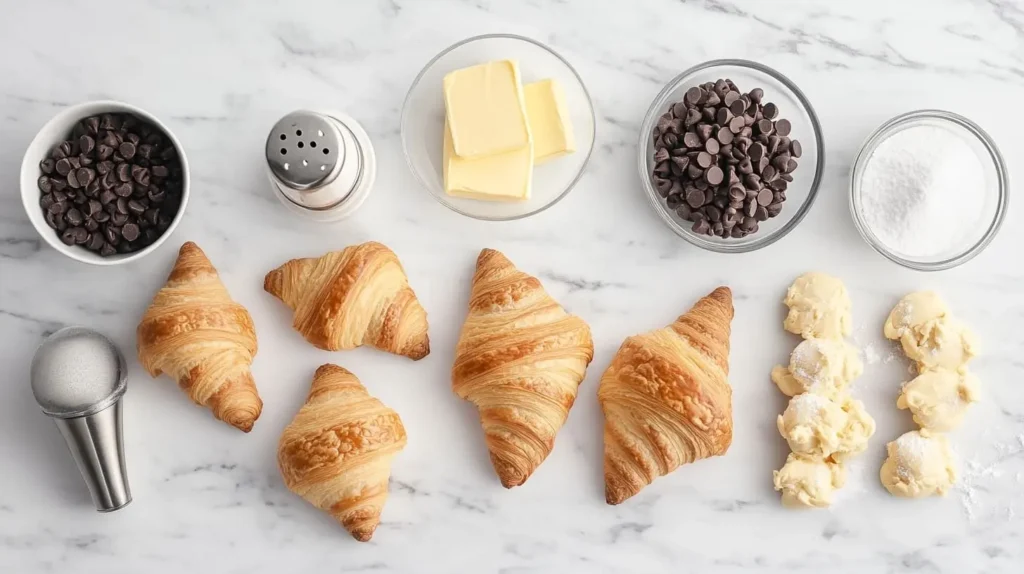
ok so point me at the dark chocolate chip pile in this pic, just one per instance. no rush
(722, 160)
(114, 187)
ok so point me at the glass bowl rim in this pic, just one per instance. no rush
(419, 76)
(645, 143)
(887, 128)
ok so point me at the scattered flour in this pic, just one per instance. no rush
(871, 354)
(973, 479)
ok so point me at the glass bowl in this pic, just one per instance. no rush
(996, 187)
(423, 123)
(793, 106)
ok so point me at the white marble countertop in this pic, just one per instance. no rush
(209, 499)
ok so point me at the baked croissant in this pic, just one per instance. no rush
(666, 398)
(358, 296)
(197, 334)
(520, 359)
(336, 453)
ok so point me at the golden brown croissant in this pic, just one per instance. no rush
(336, 453)
(358, 296)
(520, 359)
(666, 398)
(195, 333)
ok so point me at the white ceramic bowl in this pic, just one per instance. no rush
(58, 129)
(423, 123)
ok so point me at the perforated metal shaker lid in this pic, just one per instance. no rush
(305, 151)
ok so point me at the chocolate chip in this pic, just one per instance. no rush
(112, 234)
(124, 172)
(736, 125)
(72, 179)
(130, 231)
(714, 175)
(695, 198)
(118, 218)
(701, 227)
(73, 217)
(764, 197)
(795, 149)
(63, 166)
(783, 127)
(123, 190)
(127, 150)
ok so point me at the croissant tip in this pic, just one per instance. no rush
(272, 282)
(419, 351)
(613, 497)
(331, 368)
(363, 534)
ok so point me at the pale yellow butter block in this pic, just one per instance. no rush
(486, 110)
(550, 125)
(502, 177)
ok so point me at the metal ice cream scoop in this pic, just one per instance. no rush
(78, 379)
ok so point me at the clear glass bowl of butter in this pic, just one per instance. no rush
(513, 180)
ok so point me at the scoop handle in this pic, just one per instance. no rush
(96, 444)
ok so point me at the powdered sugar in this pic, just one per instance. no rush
(807, 406)
(922, 191)
(976, 475)
(871, 354)
(912, 447)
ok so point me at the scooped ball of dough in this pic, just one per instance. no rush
(914, 310)
(819, 307)
(808, 482)
(940, 344)
(939, 399)
(818, 427)
(922, 323)
(821, 366)
(920, 464)
(859, 428)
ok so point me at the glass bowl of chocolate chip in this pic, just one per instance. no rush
(731, 155)
(104, 182)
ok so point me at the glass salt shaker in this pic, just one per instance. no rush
(321, 165)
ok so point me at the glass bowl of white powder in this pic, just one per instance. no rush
(929, 190)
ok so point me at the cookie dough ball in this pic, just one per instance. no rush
(859, 428)
(807, 482)
(821, 366)
(928, 333)
(811, 425)
(818, 427)
(920, 464)
(819, 307)
(912, 312)
(939, 399)
(940, 344)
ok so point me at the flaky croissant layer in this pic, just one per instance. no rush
(357, 296)
(666, 398)
(198, 335)
(336, 453)
(520, 359)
